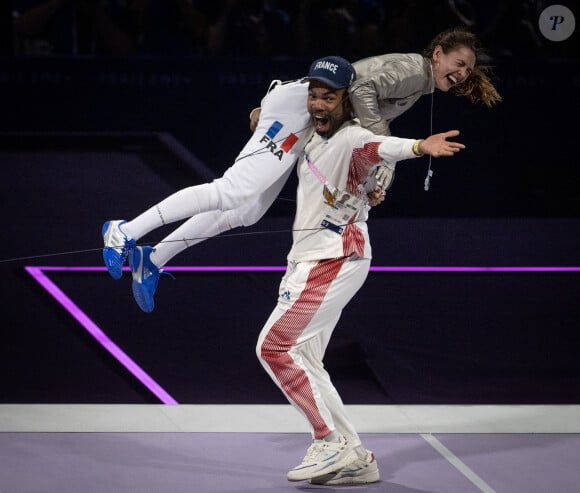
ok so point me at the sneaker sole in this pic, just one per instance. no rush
(347, 459)
(327, 479)
(139, 292)
(115, 268)
(142, 298)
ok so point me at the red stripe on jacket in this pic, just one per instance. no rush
(362, 160)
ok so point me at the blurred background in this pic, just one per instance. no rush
(108, 106)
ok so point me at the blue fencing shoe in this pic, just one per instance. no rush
(117, 247)
(145, 277)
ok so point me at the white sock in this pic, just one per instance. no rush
(361, 452)
(332, 437)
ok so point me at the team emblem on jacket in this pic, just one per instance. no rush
(278, 147)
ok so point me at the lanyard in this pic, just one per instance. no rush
(315, 171)
(340, 207)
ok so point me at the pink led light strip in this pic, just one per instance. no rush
(102, 338)
(282, 268)
(38, 274)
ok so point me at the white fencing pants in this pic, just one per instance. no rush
(283, 130)
(262, 167)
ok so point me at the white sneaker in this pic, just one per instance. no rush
(323, 458)
(360, 471)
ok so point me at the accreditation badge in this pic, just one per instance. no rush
(340, 208)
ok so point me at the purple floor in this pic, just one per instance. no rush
(257, 462)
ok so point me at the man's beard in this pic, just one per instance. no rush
(332, 123)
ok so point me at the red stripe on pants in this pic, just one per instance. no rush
(284, 334)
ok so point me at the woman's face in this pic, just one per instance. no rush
(452, 68)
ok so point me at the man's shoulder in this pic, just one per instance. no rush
(354, 128)
(352, 134)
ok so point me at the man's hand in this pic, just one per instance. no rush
(379, 180)
(376, 197)
(437, 145)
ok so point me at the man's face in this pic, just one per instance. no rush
(326, 107)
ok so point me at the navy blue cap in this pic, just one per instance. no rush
(334, 71)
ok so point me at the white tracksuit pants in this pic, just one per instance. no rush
(292, 343)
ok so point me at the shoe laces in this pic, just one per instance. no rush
(127, 246)
(120, 242)
(313, 451)
(319, 450)
(163, 273)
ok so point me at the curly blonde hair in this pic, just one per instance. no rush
(477, 87)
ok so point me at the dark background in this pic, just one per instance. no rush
(104, 114)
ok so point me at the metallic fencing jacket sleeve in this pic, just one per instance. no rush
(388, 85)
